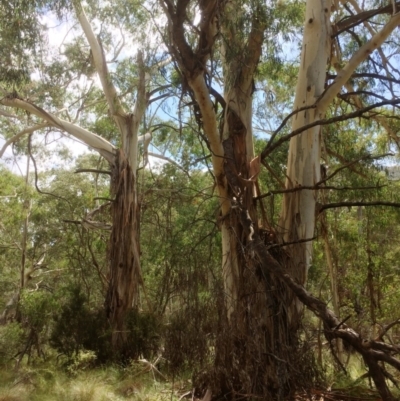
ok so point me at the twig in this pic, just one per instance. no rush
(342, 322)
(286, 119)
(366, 157)
(36, 174)
(387, 328)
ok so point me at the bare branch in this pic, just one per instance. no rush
(169, 160)
(92, 170)
(105, 148)
(315, 188)
(358, 113)
(15, 138)
(362, 53)
(368, 75)
(36, 175)
(350, 204)
(285, 120)
(387, 328)
(354, 20)
(99, 61)
(366, 157)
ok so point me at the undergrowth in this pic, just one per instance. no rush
(46, 382)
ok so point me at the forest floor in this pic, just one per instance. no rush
(46, 381)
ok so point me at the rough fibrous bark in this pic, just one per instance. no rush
(125, 276)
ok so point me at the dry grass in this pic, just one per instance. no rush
(46, 383)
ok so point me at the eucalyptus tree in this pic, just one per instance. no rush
(79, 80)
(264, 284)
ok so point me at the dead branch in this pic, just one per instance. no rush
(333, 328)
(36, 174)
(77, 222)
(315, 188)
(373, 352)
(350, 204)
(387, 328)
(286, 119)
(348, 164)
(368, 75)
(354, 20)
(16, 137)
(92, 170)
(291, 243)
(325, 121)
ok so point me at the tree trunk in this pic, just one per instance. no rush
(297, 221)
(124, 268)
(257, 350)
(124, 272)
(255, 345)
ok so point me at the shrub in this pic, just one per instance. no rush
(12, 337)
(77, 328)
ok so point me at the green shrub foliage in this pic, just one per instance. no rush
(78, 328)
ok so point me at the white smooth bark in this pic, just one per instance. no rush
(100, 63)
(105, 148)
(362, 53)
(229, 261)
(303, 169)
(211, 130)
(128, 124)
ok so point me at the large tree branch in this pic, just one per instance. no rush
(168, 159)
(105, 148)
(210, 127)
(208, 29)
(253, 51)
(100, 63)
(362, 53)
(129, 124)
(368, 75)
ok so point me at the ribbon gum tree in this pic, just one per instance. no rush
(264, 290)
(124, 277)
(257, 354)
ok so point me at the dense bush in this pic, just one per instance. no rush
(77, 328)
(11, 340)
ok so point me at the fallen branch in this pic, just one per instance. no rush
(373, 352)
